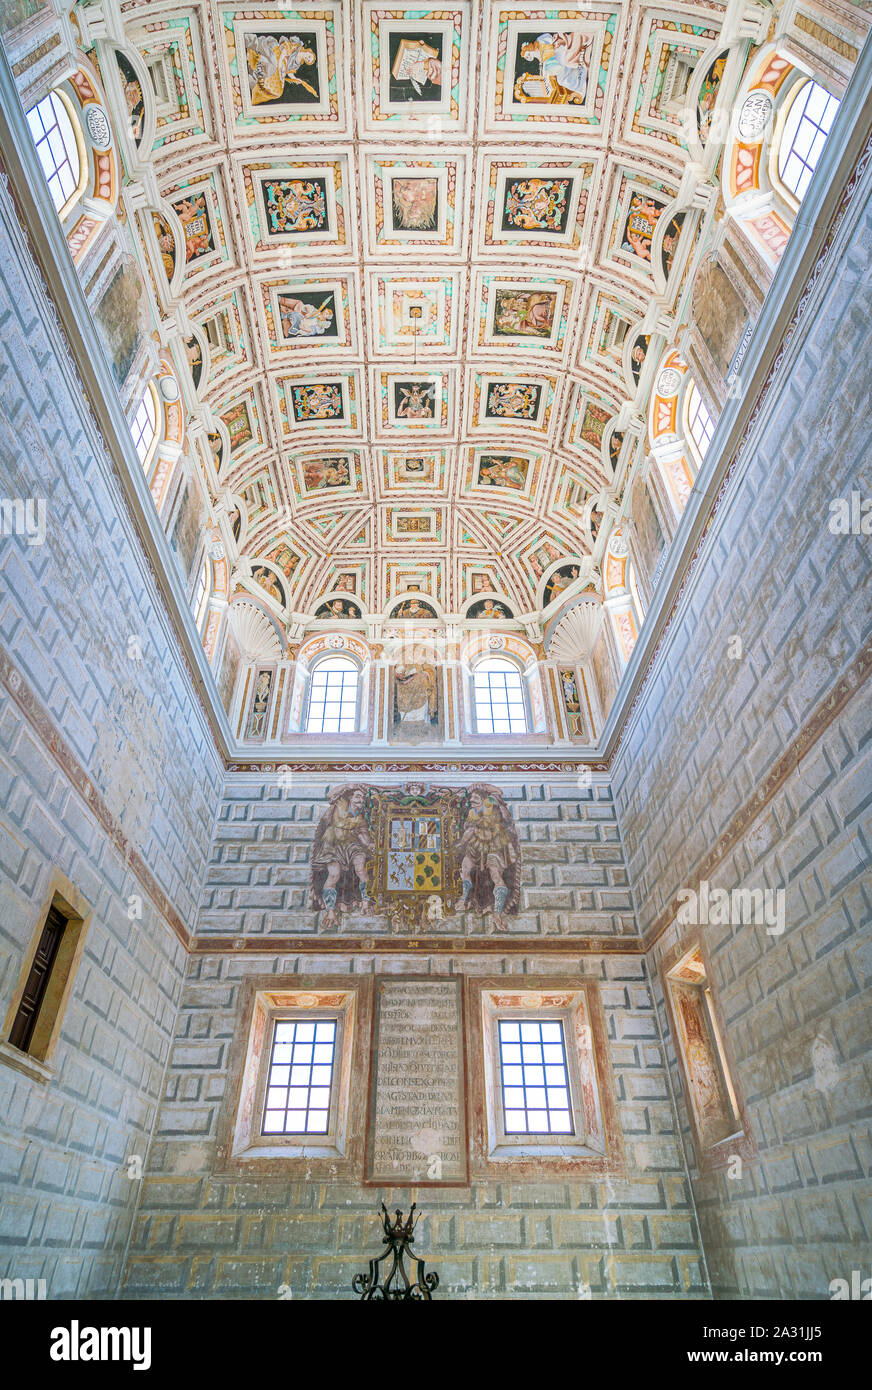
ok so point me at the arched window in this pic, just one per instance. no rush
(809, 118)
(54, 136)
(500, 707)
(201, 593)
(144, 427)
(700, 425)
(333, 697)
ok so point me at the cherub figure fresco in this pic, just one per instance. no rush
(195, 222)
(341, 853)
(285, 558)
(273, 63)
(540, 559)
(490, 855)
(326, 472)
(562, 61)
(641, 221)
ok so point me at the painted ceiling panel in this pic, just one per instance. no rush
(413, 264)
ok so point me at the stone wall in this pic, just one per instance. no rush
(108, 775)
(202, 1235)
(763, 750)
(573, 881)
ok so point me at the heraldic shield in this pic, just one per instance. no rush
(416, 854)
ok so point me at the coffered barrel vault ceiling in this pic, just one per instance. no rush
(421, 265)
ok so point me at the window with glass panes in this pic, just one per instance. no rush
(300, 1080)
(808, 123)
(699, 421)
(52, 132)
(534, 1077)
(499, 698)
(143, 427)
(201, 592)
(333, 697)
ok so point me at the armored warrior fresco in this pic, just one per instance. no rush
(417, 855)
(343, 848)
(490, 855)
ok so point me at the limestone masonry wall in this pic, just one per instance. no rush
(574, 880)
(201, 1235)
(69, 609)
(707, 732)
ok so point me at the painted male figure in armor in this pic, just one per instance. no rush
(343, 846)
(489, 857)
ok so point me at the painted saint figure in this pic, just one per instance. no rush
(490, 856)
(416, 693)
(559, 581)
(273, 63)
(503, 472)
(562, 62)
(268, 582)
(257, 724)
(342, 850)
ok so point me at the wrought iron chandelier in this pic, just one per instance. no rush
(395, 1282)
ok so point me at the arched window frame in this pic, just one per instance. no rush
(318, 662)
(58, 106)
(800, 93)
(676, 455)
(621, 600)
(149, 403)
(695, 413)
(754, 194)
(202, 590)
(90, 207)
(507, 659)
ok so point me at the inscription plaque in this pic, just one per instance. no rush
(417, 1129)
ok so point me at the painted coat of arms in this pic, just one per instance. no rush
(417, 855)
